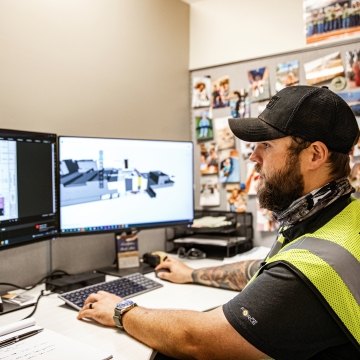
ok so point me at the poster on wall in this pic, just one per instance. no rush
(259, 84)
(352, 67)
(224, 137)
(287, 74)
(220, 92)
(237, 199)
(201, 89)
(209, 191)
(331, 19)
(322, 70)
(209, 161)
(229, 166)
(239, 104)
(203, 126)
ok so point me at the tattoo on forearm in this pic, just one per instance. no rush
(231, 276)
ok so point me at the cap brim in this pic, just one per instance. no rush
(254, 130)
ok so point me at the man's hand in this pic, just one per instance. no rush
(175, 271)
(100, 307)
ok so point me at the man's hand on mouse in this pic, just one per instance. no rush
(174, 270)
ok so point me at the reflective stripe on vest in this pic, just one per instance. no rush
(330, 259)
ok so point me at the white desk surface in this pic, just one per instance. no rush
(53, 314)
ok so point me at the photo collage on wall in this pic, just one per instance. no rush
(225, 163)
(331, 19)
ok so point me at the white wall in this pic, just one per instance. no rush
(232, 30)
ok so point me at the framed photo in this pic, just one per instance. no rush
(201, 91)
(287, 74)
(259, 84)
(331, 19)
(204, 126)
(324, 69)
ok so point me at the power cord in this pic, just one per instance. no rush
(42, 293)
(54, 273)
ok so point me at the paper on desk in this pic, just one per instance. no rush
(47, 345)
(17, 325)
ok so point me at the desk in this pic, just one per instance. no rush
(53, 314)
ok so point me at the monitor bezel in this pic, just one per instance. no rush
(137, 227)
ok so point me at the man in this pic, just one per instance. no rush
(304, 301)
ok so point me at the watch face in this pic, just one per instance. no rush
(124, 304)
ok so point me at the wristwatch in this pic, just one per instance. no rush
(120, 309)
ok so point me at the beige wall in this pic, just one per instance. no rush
(225, 31)
(96, 68)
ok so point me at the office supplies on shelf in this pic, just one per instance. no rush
(126, 286)
(26, 340)
(217, 233)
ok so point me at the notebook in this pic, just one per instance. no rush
(26, 340)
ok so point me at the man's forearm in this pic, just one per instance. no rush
(186, 334)
(231, 276)
(168, 331)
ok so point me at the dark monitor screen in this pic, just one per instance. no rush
(108, 184)
(28, 206)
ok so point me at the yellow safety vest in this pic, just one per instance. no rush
(330, 259)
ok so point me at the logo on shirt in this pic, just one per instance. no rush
(245, 313)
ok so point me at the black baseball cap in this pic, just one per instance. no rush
(309, 112)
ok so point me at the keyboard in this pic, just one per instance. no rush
(125, 287)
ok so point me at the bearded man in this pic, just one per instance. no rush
(303, 300)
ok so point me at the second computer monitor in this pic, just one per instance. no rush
(110, 185)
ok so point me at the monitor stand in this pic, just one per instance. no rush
(113, 270)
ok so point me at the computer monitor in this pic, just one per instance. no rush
(116, 185)
(28, 206)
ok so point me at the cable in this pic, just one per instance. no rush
(42, 293)
(36, 305)
(53, 273)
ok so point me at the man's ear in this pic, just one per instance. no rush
(317, 155)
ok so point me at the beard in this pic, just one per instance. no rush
(277, 191)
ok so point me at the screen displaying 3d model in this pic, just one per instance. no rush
(109, 184)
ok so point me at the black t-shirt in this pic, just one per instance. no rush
(281, 316)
